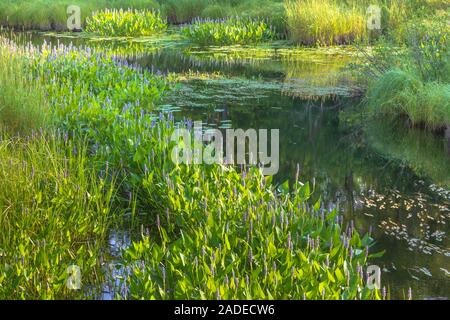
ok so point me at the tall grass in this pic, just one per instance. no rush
(324, 22)
(52, 14)
(23, 106)
(414, 82)
(228, 31)
(402, 93)
(55, 211)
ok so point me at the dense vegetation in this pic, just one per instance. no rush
(82, 152)
(126, 23)
(229, 31)
(413, 80)
(104, 154)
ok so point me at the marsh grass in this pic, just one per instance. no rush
(214, 231)
(324, 22)
(23, 106)
(401, 93)
(414, 82)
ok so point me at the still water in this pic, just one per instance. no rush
(383, 176)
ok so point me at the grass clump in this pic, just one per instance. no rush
(52, 14)
(258, 241)
(228, 31)
(401, 93)
(414, 81)
(324, 22)
(129, 22)
(55, 211)
(23, 106)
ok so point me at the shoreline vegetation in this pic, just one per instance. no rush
(82, 152)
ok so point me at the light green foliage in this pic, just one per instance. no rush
(324, 22)
(54, 212)
(228, 31)
(52, 14)
(129, 22)
(414, 81)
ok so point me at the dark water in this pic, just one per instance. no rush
(380, 174)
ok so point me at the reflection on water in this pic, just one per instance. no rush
(394, 181)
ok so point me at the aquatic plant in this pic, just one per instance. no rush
(228, 31)
(254, 243)
(266, 239)
(55, 212)
(130, 23)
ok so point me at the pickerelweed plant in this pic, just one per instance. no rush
(216, 231)
(229, 31)
(128, 23)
